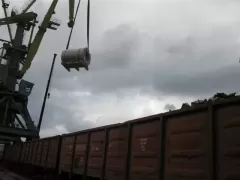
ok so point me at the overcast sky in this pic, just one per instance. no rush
(147, 56)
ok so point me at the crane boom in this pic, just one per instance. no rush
(34, 46)
(42, 29)
(71, 13)
(39, 36)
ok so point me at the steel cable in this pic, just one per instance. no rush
(88, 18)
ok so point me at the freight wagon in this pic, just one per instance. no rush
(201, 142)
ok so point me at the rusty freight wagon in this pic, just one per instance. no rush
(201, 142)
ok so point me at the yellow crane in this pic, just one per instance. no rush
(66, 62)
(34, 46)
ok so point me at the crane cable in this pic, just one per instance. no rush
(88, 17)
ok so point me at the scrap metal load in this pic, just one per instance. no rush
(216, 97)
(194, 143)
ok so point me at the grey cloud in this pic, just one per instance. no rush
(66, 117)
(182, 47)
(200, 65)
(204, 84)
(117, 47)
(58, 112)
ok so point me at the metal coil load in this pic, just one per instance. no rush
(76, 58)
